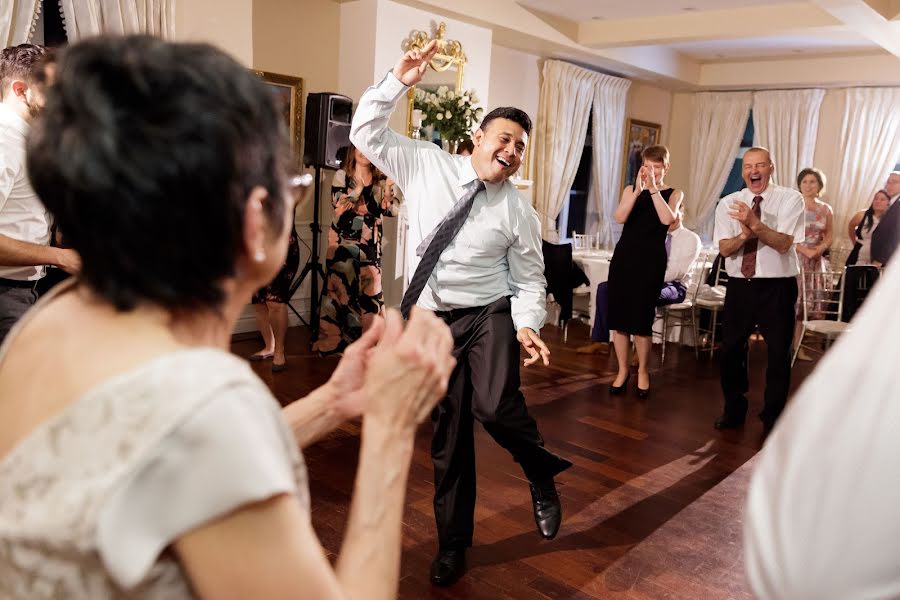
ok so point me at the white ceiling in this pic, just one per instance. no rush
(586, 10)
(815, 42)
(804, 43)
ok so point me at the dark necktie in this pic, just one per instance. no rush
(441, 237)
(748, 260)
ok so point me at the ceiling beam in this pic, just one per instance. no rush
(865, 17)
(704, 26)
(822, 72)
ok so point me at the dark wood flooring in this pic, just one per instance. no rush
(652, 506)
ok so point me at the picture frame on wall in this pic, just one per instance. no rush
(288, 93)
(638, 135)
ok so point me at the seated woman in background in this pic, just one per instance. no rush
(138, 458)
(352, 298)
(861, 274)
(811, 251)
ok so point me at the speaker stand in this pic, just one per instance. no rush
(312, 268)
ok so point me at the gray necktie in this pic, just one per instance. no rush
(436, 242)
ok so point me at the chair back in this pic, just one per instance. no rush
(698, 271)
(558, 272)
(822, 294)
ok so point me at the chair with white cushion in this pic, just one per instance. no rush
(822, 297)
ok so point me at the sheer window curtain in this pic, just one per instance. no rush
(84, 18)
(719, 122)
(868, 148)
(610, 97)
(567, 92)
(17, 22)
(787, 122)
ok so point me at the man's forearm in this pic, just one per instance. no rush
(730, 246)
(313, 416)
(16, 253)
(781, 242)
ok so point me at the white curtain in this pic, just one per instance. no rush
(719, 122)
(868, 149)
(610, 96)
(17, 20)
(566, 95)
(786, 122)
(84, 18)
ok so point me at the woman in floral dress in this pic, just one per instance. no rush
(352, 297)
(819, 235)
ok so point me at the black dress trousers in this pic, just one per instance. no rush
(484, 387)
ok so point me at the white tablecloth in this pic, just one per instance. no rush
(595, 264)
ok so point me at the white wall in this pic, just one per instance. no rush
(516, 81)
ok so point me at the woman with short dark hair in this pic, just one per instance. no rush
(138, 457)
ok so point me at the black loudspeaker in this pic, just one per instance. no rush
(327, 129)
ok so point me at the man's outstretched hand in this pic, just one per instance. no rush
(534, 346)
(411, 66)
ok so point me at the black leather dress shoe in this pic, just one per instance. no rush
(728, 422)
(447, 567)
(547, 508)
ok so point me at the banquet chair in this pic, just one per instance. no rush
(713, 304)
(683, 313)
(822, 298)
(558, 272)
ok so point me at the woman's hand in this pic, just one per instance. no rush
(639, 180)
(408, 370)
(344, 203)
(651, 181)
(387, 195)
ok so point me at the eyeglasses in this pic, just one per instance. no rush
(300, 181)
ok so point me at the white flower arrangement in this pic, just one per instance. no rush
(453, 114)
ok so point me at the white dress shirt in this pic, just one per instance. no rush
(782, 210)
(497, 252)
(22, 215)
(823, 511)
(684, 251)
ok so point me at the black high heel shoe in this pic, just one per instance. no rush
(642, 393)
(618, 390)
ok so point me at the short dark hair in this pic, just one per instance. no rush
(145, 156)
(507, 112)
(466, 145)
(20, 62)
(817, 173)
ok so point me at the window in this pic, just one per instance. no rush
(735, 180)
(573, 216)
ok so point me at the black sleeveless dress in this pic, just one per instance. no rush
(638, 268)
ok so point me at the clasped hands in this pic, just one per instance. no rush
(744, 215)
(395, 374)
(646, 179)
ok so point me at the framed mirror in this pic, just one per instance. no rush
(444, 69)
(288, 93)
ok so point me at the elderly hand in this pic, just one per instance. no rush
(743, 214)
(534, 346)
(408, 371)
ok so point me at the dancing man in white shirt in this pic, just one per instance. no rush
(475, 251)
(756, 229)
(24, 222)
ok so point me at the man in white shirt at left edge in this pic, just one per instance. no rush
(488, 285)
(24, 222)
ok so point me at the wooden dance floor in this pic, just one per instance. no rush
(652, 507)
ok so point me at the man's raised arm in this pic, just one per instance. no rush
(370, 133)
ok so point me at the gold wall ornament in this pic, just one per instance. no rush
(449, 56)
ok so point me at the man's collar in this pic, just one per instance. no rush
(467, 175)
(9, 117)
